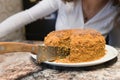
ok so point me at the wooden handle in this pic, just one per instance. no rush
(7, 47)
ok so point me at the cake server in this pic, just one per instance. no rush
(44, 53)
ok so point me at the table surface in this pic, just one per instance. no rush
(21, 66)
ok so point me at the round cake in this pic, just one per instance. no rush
(85, 44)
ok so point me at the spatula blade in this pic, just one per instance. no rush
(50, 53)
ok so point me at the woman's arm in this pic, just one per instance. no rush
(114, 35)
(43, 8)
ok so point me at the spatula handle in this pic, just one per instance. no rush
(7, 47)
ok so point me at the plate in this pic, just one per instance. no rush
(111, 53)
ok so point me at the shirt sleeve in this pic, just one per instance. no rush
(43, 8)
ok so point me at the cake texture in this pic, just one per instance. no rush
(85, 44)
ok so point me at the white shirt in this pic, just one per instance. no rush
(69, 17)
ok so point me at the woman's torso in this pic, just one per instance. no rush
(70, 17)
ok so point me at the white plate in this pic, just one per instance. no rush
(110, 54)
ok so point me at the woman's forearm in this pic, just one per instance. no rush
(20, 19)
(14, 22)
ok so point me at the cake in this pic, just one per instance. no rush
(85, 44)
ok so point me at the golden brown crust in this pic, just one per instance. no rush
(85, 44)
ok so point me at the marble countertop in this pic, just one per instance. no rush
(21, 66)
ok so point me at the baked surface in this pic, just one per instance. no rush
(85, 44)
